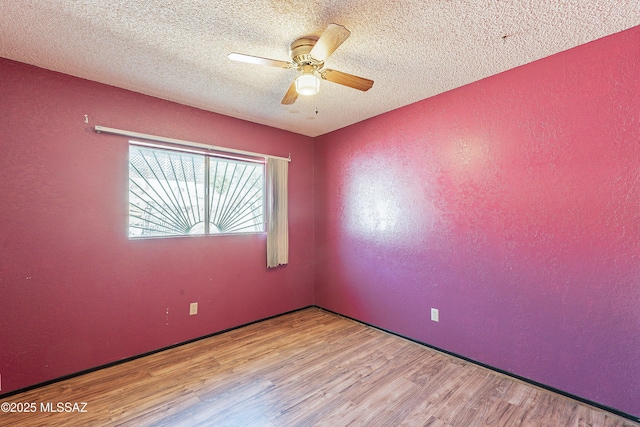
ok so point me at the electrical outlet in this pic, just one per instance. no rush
(435, 315)
(193, 308)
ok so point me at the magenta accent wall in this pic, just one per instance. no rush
(75, 292)
(513, 206)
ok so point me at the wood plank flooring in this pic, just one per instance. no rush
(308, 368)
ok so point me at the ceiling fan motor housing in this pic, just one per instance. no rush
(299, 51)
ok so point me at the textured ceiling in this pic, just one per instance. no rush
(412, 49)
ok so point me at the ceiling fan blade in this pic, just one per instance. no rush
(291, 95)
(329, 41)
(345, 79)
(258, 60)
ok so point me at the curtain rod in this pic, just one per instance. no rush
(105, 129)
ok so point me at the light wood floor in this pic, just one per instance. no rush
(302, 369)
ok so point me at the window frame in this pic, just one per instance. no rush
(206, 155)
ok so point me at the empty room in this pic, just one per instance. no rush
(264, 213)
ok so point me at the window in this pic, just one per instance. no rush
(177, 193)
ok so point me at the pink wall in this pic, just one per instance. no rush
(513, 206)
(75, 293)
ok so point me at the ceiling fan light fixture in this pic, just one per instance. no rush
(308, 55)
(308, 83)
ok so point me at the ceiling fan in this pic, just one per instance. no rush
(307, 56)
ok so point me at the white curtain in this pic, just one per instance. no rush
(277, 215)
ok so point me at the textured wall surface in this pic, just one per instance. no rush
(75, 292)
(513, 206)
